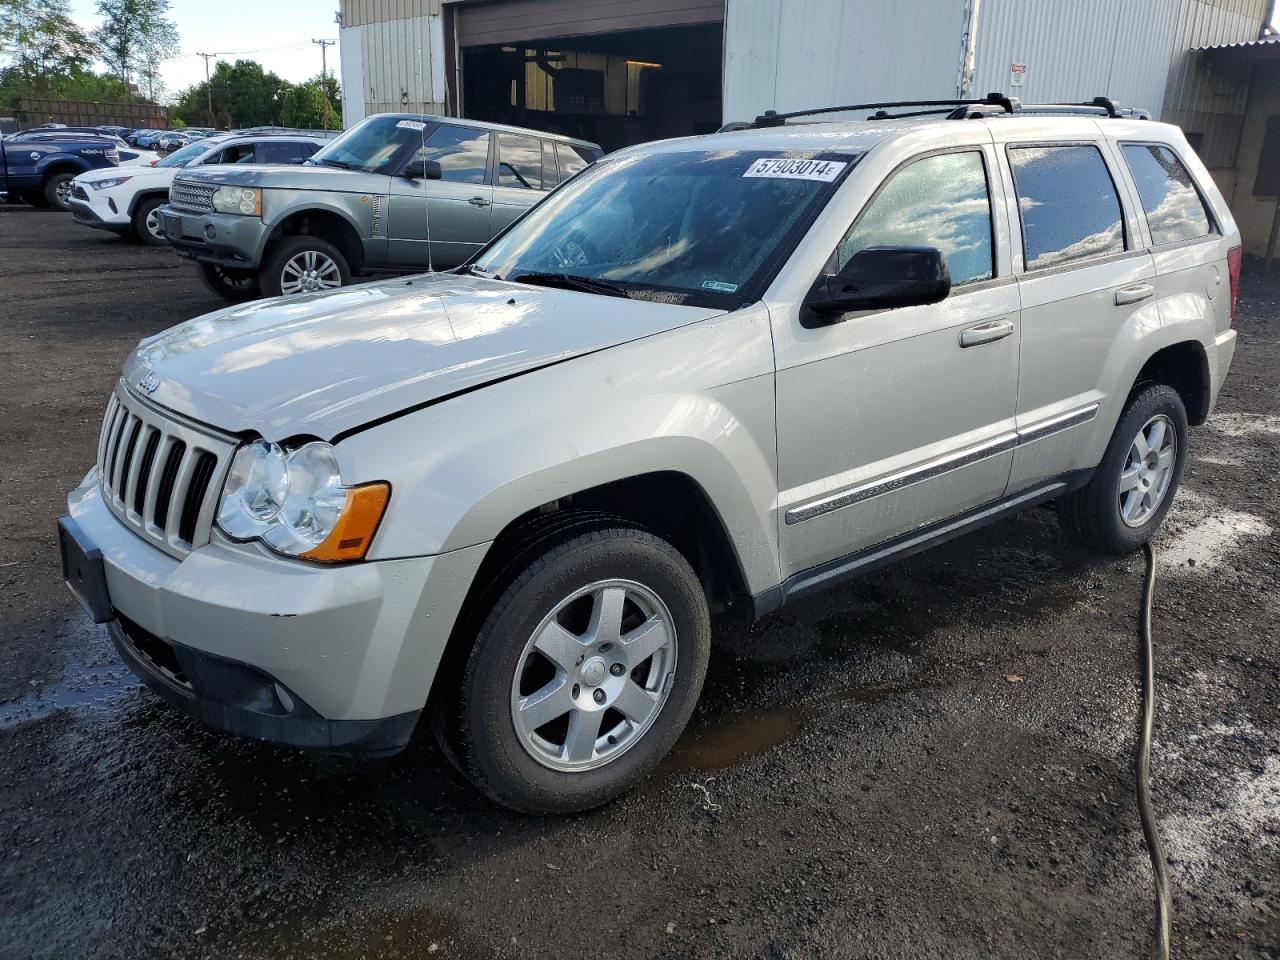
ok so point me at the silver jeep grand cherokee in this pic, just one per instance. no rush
(501, 502)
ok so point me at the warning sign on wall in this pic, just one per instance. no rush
(1017, 72)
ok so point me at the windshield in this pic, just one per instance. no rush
(706, 228)
(189, 153)
(371, 146)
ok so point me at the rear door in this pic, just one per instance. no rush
(1087, 290)
(439, 224)
(518, 180)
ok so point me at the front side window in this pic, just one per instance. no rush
(1174, 208)
(1068, 204)
(939, 201)
(463, 153)
(699, 227)
(519, 161)
(237, 153)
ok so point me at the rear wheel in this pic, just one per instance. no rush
(304, 264)
(146, 222)
(1133, 487)
(234, 286)
(584, 674)
(57, 190)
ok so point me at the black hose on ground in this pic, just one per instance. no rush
(1160, 944)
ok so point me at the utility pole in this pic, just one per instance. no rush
(324, 56)
(208, 87)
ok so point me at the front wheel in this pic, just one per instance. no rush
(146, 222)
(232, 285)
(1133, 487)
(304, 264)
(584, 673)
(57, 190)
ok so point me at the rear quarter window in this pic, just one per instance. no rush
(1067, 202)
(1175, 211)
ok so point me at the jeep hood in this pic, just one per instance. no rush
(324, 364)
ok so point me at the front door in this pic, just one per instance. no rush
(891, 419)
(439, 224)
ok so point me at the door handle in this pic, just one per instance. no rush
(1135, 294)
(478, 202)
(988, 332)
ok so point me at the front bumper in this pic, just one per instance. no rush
(97, 212)
(339, 658)
(224, 239)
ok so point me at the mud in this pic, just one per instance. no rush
(932, 762)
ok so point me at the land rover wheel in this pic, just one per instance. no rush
(304, 264)
(584, 673)
(1133, 487)
(234, 286)
(146, 222)
(57, 190)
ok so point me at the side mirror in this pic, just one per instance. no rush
(424, 170)
(881, 278)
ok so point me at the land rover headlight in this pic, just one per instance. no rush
(242, 200)
(108, 184)
(294, 501)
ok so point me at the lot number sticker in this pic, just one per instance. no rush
(789, 168)
(412, 125)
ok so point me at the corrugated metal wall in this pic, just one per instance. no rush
(400, 64)
(793, 54)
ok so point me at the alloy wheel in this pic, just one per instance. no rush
(1148, 470)
(308, 271)
(594, 675)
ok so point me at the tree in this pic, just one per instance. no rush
(136, 37)
(43, 42)
(243, 95)
(313, 105)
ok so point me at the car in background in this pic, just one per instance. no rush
(147, 139)
(396, 193)
(125, 201)
(39, 169)
(173, 140)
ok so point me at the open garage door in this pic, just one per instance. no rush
(616, 72)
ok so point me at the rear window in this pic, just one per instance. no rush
(1068, 204)
(1174, 208)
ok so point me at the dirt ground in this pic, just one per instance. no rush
(932, 762)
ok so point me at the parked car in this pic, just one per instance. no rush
(126, 202)
(173, 140)
(39, 169)
(147, 139)
(398, 192)
(500, 502)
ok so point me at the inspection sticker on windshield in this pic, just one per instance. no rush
(791, 169)
(412, 124)
(719, 286)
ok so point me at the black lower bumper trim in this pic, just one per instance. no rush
(239, 699)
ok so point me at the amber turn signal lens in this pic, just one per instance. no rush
(353, 533)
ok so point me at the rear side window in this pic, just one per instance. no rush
(939, 201)
(463, 153)
(1068, 204)
(1173, 205)
(277, 152)
(519, 161)
(571, 160)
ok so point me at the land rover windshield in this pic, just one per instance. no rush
(701, 228)
(372, 146)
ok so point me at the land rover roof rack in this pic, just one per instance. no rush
(993, 104)
(283, 131)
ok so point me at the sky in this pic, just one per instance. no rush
(276, 33)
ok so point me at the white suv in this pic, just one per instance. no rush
(125, 201)
(745, 366)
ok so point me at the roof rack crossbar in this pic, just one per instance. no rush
(771, 118)
(954, 109)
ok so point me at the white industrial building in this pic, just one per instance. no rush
(625, 71)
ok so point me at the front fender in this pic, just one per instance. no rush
(697, 401)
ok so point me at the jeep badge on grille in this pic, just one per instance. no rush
(149, 383)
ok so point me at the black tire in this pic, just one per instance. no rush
(271, 278)
(55, 190)
(482, 735)
(146, 207)
(1092, 515)
(234, 286)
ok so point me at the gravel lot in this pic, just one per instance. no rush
(933, 762)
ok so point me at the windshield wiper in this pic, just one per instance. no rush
(571, 282)
(340, 164)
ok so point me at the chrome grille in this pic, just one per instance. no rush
(189, 195)
(159, 476)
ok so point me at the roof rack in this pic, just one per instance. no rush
(993, 104)
(283, 131)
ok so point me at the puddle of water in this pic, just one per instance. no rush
(1203, 546)
(81, 687)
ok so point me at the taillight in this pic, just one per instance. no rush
(1234, 256)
